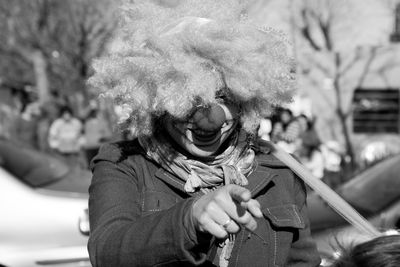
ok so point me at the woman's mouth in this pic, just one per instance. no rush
(204, 138)
(201, 137)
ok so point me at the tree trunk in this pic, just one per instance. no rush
(343, 120)
(42, 82)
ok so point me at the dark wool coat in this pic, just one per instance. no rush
(139, 216)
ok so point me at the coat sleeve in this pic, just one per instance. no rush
(303, 251)
(121, 236)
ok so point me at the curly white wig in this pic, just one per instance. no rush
(171, 53)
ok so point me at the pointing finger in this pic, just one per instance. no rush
(239, 193)
(254, 207)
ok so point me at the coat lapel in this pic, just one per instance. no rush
(258, 180)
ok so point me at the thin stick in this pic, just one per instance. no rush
(330, 196)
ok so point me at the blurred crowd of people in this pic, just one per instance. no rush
(54, 128)
(297, 135)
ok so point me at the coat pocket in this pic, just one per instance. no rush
(287, 215)
(285, 221)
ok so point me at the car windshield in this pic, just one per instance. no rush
(376, 187)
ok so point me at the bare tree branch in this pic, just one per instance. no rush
(326, 32)
(367, 66)
(350, 64)
(318, 64)
(306, 31)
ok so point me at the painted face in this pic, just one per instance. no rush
(203, 133)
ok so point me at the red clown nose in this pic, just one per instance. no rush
(209, 119)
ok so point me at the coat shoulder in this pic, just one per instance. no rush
(118, 151)
(263, 150)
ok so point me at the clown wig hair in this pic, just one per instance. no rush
(171, 55)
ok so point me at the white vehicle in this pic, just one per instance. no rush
(43, 225)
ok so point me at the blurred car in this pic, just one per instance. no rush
(43, 210)
(374, 193)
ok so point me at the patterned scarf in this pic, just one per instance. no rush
(230, 167)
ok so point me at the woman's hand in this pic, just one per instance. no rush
(225, 210)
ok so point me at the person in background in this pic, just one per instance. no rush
(95, 132)
(308, 149)
(287, 130)
(65, 135)
(26, 126)
(44, 123)
(382, 251)
(281, 120)
(333, 154)
(195, 187)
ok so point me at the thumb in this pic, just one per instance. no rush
(238, 193)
